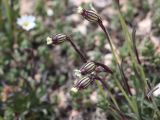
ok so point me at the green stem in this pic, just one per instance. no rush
(112, 97)
(110, 94)
(157, 110)
(132, 103)
(101, 89)
(104, 95)
(115, 55)
(7, 8)
(122, 116)
(136, 65)
(9, 20)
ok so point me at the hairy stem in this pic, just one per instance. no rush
(77, 50)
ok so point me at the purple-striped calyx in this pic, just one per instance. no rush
(57, 39)
(89, 15)
(88, 68)
(82, 83)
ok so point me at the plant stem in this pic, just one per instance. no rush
(9, 20)
(134, 45)
(118, 111)
(136, 66)
(8, 13)
(77, 50)
(125, 78)
(117, 59)
(112, 97)
(101, 89)
(132, 104)
(157, 110)
(106, 68)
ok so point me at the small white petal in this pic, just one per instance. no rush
(50, 12)
(19, 21)
(32, 25)
(77, 74)
(75, 90)
(79, 10)
(49, 40)
(157, 90)
(31, 18)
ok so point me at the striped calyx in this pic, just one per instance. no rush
(83, 83)
(87, 68)
(89, 15)
(57, 39)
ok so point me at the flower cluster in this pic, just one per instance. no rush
(89, 71)
(87, 74)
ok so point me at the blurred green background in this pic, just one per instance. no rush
(35, 79)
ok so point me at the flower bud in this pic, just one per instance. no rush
(57, 39)
(83, 83)
(87, 68)
(89, 15)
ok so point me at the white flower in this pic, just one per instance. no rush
(77, 74)
(155, 91)
(27, 22)
(50, 12)
(79, 10)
